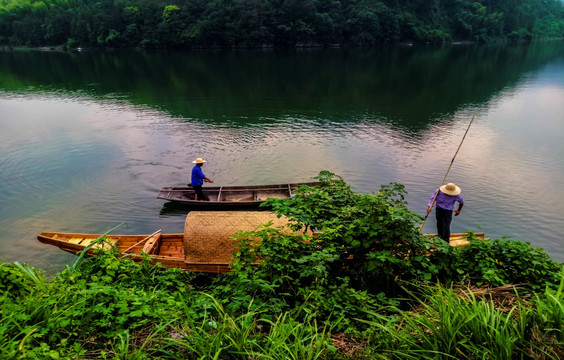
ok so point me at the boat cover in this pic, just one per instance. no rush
(208, 235)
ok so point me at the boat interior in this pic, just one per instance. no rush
(244, 195)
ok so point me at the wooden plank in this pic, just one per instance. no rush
(73, 240)
(461, 239)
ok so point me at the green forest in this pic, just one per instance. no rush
(273, 23)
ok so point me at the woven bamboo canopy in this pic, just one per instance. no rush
(208, 234)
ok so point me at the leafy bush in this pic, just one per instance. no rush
(369, 238)
(111, 267)
(104, 298)
(365, 246)
(18, 280)
(504, 261)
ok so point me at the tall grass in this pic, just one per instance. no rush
(116, 309)
(296, 340)
(550, 311)
(31, 275)
(100, 239)
(251, 336)
(449, 325)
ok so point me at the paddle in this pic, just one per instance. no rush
(444, 178)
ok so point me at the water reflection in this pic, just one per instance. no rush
(405, 87)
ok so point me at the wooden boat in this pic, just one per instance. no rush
(166, 249)
(231, 196)
(205, 246)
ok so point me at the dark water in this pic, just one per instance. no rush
(87, 139)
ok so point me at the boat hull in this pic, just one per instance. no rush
(169, 253)
(230, 196)
(166, 249)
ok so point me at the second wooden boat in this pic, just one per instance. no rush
(231, 196)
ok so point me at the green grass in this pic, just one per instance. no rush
(450, 325)
(160, 317)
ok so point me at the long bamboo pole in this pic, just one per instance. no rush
(451, 162)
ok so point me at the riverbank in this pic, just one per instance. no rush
(113, 308)
(272, 47)
(58, 48)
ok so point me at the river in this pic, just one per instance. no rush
(88, 138)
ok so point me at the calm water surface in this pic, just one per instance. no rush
(88, 139)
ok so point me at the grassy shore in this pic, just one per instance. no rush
(116, 309)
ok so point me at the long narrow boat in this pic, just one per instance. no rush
(205, 246)
(166, 249)
(169, 249)
(231, 196)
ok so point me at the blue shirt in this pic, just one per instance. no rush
(197, 175)
(445, 201)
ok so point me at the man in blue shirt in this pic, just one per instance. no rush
(447, 195)
(198, 179)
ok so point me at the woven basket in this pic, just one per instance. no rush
(208, 234)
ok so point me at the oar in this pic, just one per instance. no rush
(145, 239)
(451, 162)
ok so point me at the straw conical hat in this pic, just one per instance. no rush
(450, 189)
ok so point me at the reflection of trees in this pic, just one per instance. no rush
(404, 86)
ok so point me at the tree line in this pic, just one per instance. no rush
(278, 23)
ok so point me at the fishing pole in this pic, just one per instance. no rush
(451, 162)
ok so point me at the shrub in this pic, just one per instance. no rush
(371, 238)
(17, 280)
(504, 261)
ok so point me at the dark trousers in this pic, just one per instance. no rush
(199, 193)
(444, 218)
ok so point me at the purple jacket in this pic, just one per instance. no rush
(445, 201)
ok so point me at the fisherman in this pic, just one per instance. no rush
(198, 179)
(447, 195)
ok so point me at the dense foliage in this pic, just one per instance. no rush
(366, 249)
(254, 23)
(327, 294)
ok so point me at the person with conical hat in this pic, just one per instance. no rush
(446, 197)
(198, 179)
